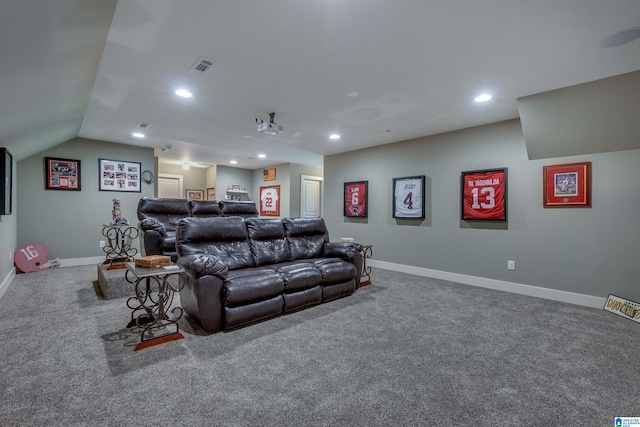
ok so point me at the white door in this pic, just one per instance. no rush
(170, 186)
(310, 196)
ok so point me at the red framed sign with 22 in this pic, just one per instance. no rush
(484, 195)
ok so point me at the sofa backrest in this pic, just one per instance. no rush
(268, 243)
(226, 238)
(245, 209)
(204, 208)
(306, 236)
(167, 211)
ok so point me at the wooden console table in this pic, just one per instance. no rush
(152, 301)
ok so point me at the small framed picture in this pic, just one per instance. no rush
(484, 195)
(567, 185)
(62, 174)
(117, 175)
(270, 200)
(355, 198)
(194, 194)
(211, 193)
(408, 197)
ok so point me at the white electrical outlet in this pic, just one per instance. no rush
(10, 255)
(511, 264)
(102, 243)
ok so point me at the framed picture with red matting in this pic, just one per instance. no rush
(484, 195)
(270, 200)
(355, 198)
(567, 185)
(62, 174)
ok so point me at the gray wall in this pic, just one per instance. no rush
(283, 178)
(192, 178)
(69, 223)
(296, 172)
(226, 176)
(592, 251)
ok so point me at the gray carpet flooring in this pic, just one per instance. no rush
(406, 351)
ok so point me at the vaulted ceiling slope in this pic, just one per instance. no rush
(50, 52)
(374, 71)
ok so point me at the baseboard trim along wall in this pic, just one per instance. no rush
(7, 281)
(517, 288)
(73, 262)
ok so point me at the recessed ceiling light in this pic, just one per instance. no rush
(184, 93)
(233, 162)
(334, 136)
(138, 134)
(262, 156)
(482, 98)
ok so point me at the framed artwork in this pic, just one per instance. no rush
(117, 175)
(484, 195)
(270, 200)
(62, 174)
(6, 178)
(211, 193)
(355, 198)
(567, 185)
(194, 194)
(269, 174)
(408, 197)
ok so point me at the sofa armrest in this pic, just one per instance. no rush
(345, 250)
(200, 265)
(148, 224)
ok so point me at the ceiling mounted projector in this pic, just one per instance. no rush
(271, 128)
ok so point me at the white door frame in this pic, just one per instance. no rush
(180, 179)
(304, 178)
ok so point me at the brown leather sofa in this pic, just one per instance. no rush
(158, 218)
(240, 271)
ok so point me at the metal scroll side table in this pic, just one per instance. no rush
(119, 249)
(151, 305)
(367, 251)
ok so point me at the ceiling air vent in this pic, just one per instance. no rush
(143, 125)
(201, 66)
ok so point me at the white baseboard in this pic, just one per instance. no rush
(7, 281)
(517, 288)
(73, 262)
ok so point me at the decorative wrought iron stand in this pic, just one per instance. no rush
(118, 248)
(151, 306)
(367, 251)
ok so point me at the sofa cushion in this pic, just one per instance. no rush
(166, 211)
(245, 209)
(300, 276)
(225, 238)
(251, 285)
(306, 237)
(335, 270)
(204, 208)
(169, 242)
(268, 244)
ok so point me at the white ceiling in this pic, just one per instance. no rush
(415, 64)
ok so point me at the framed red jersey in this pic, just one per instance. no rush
(270, 200)
(484, 195)
(355, 198)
